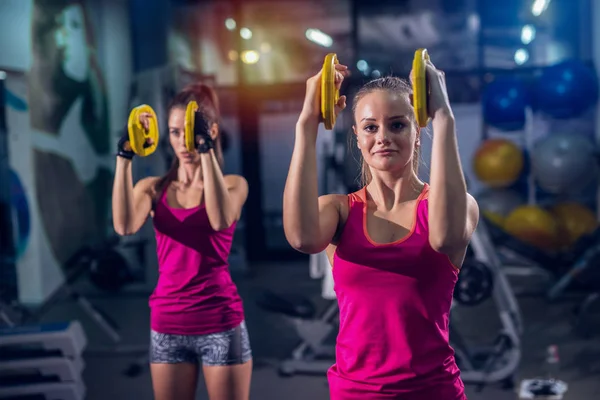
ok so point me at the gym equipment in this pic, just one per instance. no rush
(109, 271)
(42, 361)
(496, 363)
(311, 356)
(40, 370)
(497, 204)
(574, 221)
(566, 90)
(542, 389)
(190, 123)
(61, 390)
(65, 339)
(575, 266)
(587, 316)
(420, 88)
(80, 263)
(582, 268)
(564, 163)
(329, 93)
(475, 283)
(533, 225)
(498, 163)
(504, 102)
(138, 135)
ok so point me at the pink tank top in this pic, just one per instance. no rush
(394, 302)
(195, 294)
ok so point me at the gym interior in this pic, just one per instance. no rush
(522, 80)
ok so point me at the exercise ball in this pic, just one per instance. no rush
(498, 163)
(110, 271)
(533, 225)
(564, 162)
(504, 101)
(566, 90)
(497, 204)
(574, 221)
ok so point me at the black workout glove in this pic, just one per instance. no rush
(123, 145)
(204, 142)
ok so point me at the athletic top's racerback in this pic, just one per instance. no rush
(394, 302)
(194, 294)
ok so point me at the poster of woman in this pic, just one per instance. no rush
(70, 126)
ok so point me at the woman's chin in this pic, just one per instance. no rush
(391, 167)
(185, 159)
(388, 165)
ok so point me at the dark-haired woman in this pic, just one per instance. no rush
(197, 315)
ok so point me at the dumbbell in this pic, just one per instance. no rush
(190, 125)
(138, 135)
(330, 94)
(420, 89)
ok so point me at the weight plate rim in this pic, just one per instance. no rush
(328, 91)
(190, 122)
(133, 124)
(420, 87)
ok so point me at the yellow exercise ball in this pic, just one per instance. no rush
(495, 218)
(533, 225)
(498, 163)
(574, 221)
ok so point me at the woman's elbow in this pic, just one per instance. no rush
(222, 224)
(306, 247)
(123, 229)
(448, 243)
(303, 244)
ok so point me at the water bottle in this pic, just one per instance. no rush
(552, 367)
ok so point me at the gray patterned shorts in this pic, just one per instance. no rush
(231, 347)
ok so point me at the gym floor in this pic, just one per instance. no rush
(272, 339)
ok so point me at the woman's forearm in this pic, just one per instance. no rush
(301, 196)
(222, 213)
(448, 191)
(122, 197)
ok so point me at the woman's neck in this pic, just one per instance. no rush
(389, 189)
(189, 174)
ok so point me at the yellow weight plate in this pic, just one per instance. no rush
(329, 94)
(420, 87)
(138, 135)
(190, 121)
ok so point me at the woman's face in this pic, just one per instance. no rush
(385, 132)
(71, 39)
(177, 137)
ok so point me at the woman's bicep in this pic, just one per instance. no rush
(329, 218)
(142, 202)
(237, 187)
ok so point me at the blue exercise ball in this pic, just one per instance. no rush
(504, 103)
(566, 90)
